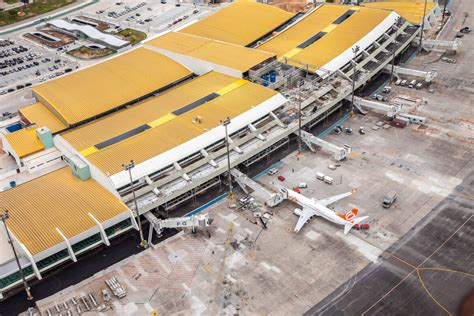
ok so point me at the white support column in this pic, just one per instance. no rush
(253, 129)
(238, 150)
(32, 261)
(212, 162)
(279, 122)
(366, 54)
(134, 220)
(179, 168)
(105, 240)
(150, 182)
(68, 244)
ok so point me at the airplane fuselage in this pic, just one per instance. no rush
(318, 209)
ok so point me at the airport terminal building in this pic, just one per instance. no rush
(162, 105)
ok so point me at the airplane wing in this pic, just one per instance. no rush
(306, 214)
(333, 199)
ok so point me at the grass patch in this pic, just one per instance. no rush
(85, 52)
(133, 36)
(31, 10)
(11, 1)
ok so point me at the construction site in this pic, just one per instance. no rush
(316, 162)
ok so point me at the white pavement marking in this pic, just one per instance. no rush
(367, 250)
(149, 308)
(313, 235)
(394, 177)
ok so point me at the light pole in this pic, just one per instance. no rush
(299, 123)
(229, 176)
(355, 50)
(444, 8)
(128, 167)
(394, 49)
(4, 216)
(423, 25)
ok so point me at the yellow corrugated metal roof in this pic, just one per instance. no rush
(60, 200)
(338, 39)
(102, 87)
(240, 97)
(38, 114)
(412, 11)
(303, 30)
(342, 37)
(240, 23)
(230, 105)
(146, 112)
(24, 142)
(225, 54)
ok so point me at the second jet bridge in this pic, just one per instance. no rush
(270, 198)
(193, 221)
(388, 109)
(311, 141)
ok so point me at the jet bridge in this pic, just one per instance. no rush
(388, 109)
(432, 44)
(193, 221)
(270, 198)
(427, 76)
(311, 140)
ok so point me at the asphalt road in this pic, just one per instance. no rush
(428, 272)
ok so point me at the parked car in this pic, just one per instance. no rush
(302, 185)
(281, 178)
(272, 171)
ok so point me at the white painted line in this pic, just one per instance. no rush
(367, 250)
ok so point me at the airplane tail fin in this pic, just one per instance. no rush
(349, 225)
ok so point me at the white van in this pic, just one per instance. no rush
(320, 176)
(328, 180)
(412, 84)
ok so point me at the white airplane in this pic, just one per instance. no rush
(313, 207)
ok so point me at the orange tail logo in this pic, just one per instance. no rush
(351, 214)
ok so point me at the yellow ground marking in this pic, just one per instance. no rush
(408, 264)
(429, 293)
(207, 267)
(418, 269)
(448, 270)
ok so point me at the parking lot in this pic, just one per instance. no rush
(23, 64)
(152, 17)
